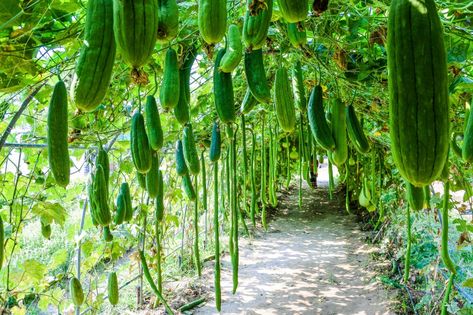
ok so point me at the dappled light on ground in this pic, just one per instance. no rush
(311, 261)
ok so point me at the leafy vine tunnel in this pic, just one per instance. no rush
(149, 141)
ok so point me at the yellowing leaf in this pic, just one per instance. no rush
(59, 258)
(34, 270)
(468, 283)
(18, 311)
(50, 212)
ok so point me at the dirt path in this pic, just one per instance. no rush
(312, 261)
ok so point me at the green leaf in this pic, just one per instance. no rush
(66, 5)
(8, 11)
(126, 167)
(87, 247)
(170, 218)
(460, 224)
(50, 212)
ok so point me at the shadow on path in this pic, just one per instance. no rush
(312, 261)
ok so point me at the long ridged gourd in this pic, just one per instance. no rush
(160, 198)
(415, 196)
(467, 147)
(454, 145)
(293, 10)
(256, 76)
(339, 133)
(233, 51)
(169, 93)
(215, 144)
(107, 235)
(296, 34)
(284, 101)
(140, 149)
(112, 287)
(168, 20)
(188, 187)
(58, 152)
(141, 180)
(355, 131)
(182, 109)
(426, 197)
(212, 20)
(418, 88)
(190, 150)
(299, 87)
(99, 198)
(318, 124)
(121, 210)
(135, 27)
(102, 159)
(223, 92)
(256, 23)
(76, 292)
(153, 124)
(97, 55)
(125, 191)
(152, 177)
(92, 203)
(181, 166)
(248, 103)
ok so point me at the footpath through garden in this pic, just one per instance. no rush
(312, 260)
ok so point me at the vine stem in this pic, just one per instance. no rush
(17, 115)
(82, 220)
(143, 243)
(446, 297)
(218, 294)
(236, 213)
(301, 148)
(197, 262)
(407, 262)
(330, 180)
(204, 195)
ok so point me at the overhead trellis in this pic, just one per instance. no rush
(317, 92)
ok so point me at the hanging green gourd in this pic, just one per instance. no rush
(223, 91)
(294, 10)
(212, 20)
(135, 25)
(153, 124)
(140, 149)
(233, 51)
(170, 88)
(58, 151)
(168, 20)
(418, 89)
(318, 124)
(339, 133)
(256, 23)
(190, 150)
(284, 101)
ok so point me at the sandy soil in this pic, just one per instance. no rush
(312, 261)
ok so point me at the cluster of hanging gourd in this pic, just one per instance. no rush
(418, 118)
(146, 137)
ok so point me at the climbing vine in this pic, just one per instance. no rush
(192, 131)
